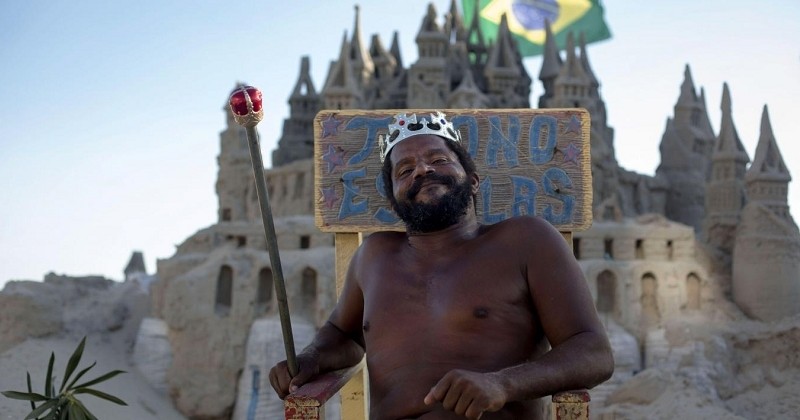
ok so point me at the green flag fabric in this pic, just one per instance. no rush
(526, 20)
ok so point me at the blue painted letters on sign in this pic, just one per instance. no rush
(554, 181)
(350, 207)
(372, 125)
(383, 214)
(498, 140)
(472, 132)
(541, 155)
(524, 196)
(486, 198)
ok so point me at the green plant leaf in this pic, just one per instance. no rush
(63, 413)
(99, 379)
(88, 413)
(42, 408)
(28, 396)
(30, 388)
(78, 376)
(48, 380)
(99, 394)
(75, 413)
(73, 363)
(52, 415)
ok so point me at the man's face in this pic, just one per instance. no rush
(431, 191)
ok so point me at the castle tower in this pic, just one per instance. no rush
(551, 66)
(476, 44)
(502, 71)
(398, 88)
(686, 148)
(385, 67)
(341, 89)
(297, 138)
(428, 78)
(235, 173)
(467, 94)
(457, 53)
(360, 58)
(725, 194)
(766, 257)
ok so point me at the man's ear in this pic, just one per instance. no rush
(475, 183)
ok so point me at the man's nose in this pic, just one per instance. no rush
(422, 169)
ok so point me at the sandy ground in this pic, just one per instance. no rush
(109, 352)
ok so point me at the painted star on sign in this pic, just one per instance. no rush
(333, 157)
(329, 197)
(572, 153)
(573, 126)
(330, 126)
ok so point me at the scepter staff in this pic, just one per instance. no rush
(246, 105)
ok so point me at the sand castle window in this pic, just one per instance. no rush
(692, 292)
(649, 300)
(639, 249)
(224, 298)
(606, 290)
(241, 241)
(264, 292)
(305, 242)
(670, 250)
(608, 249)
(308, 293)
(299, 182)
(226, 215)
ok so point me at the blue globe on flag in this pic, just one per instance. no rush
(533, 13)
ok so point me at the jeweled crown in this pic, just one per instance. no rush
(405, 126)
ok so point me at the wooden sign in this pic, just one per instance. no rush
(530, 161)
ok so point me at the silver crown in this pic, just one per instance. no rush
(405, 126)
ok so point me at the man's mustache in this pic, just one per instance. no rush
(417, 185)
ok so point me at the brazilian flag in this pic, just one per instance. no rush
(526, 20)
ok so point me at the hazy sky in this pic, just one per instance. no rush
(110, 112)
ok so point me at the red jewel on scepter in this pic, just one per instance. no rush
(247, 105)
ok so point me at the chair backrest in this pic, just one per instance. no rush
(530, 162)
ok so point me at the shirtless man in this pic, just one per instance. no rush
(455, 316)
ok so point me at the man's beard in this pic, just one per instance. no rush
(443, 212)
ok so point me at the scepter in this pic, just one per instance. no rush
(246, 105)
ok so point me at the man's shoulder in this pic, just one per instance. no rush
(523, 224)
(377, 241)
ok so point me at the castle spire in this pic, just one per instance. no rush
(768, 164)
(359, 55)
(688, 97)
(587, 68)
(729, 146)
(476, 44)
(502, 70)
(395, 50)
(341, 90)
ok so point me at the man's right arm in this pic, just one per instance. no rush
(337, 345)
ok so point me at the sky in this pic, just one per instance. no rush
(110, 112)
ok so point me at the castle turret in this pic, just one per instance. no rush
(725, 193)
(766, 257)
(551, 66)
(429, 80)
(686, 147)
(297, 138)
(502, 70)
(476, 44)
(341, 90)
(360, 58)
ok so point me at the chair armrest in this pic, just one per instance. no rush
(571, 405)
(307, 401)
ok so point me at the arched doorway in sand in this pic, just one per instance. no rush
(224, 296)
